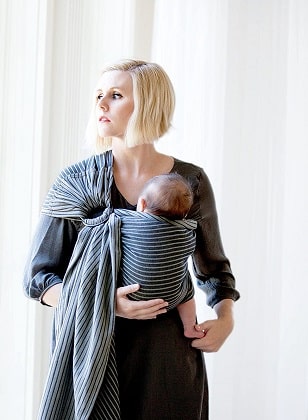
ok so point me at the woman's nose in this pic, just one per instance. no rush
(103, 104)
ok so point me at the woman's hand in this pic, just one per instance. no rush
(142, 309)
(216, 330)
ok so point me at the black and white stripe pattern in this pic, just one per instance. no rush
(82, 379)
(155, 251)
(83, 361)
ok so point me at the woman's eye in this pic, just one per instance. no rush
(116, 95)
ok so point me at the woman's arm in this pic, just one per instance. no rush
(210, 264)
(212, 269)
(49, 256)
(124, 308)
(52, 295)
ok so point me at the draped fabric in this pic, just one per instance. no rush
(83, 361)
(154, 254)
(82, 377)
(82, 380)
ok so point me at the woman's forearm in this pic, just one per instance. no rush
(224, 309)
(51, 296)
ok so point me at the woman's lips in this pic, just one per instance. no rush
(103, 119)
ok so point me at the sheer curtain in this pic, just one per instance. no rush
(239, 69)
(240, 73)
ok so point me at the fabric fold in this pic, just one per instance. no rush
(82, 378)
(84, 323)
(82, 381)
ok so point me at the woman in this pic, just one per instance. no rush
(159, 372)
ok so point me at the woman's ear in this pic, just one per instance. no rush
(141, 205)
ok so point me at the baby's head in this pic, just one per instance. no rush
(167, 195)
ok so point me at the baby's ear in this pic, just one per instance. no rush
(141, 205)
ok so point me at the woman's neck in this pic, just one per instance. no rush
(136, 160)
(132, 167)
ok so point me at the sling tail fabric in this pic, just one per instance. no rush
(82, 377)
(82, 380)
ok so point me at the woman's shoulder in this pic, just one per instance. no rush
(189, 170)
(197, 178)
(92, 163)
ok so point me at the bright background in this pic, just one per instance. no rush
(240, 71)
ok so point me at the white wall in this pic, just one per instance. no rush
(240, 69)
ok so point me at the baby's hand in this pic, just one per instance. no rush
(192, 332)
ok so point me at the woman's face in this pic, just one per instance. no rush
(114, 103)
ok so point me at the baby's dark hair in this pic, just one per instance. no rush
(168, 195)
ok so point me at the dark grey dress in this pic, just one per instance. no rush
(160, 374)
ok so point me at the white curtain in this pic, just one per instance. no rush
(240, 73)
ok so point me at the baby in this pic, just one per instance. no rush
(170, 196)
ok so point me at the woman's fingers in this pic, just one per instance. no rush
(130, 309)
(126, 290)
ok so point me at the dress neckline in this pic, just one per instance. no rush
(134, 206)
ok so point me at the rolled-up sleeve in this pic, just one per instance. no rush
(50, 252)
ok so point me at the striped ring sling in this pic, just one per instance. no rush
(82, 378)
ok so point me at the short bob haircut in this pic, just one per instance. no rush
(154, 102)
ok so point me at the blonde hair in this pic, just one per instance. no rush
(154, 103)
